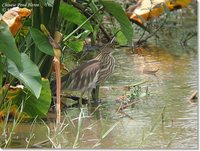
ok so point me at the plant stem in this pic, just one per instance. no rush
(79, 128)
(54, 16)
(31, 134)
(17, 120)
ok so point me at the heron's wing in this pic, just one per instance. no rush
(84, 76)
(80, 78)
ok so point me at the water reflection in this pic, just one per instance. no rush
(169, 88)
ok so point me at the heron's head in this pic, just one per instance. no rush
(109, 48)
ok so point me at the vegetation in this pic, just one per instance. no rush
(29, 46)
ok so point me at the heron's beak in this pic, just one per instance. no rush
(115, 50)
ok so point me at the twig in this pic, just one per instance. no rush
(124, 113)
(38, 145)
(74, 31)
(120, 108)
(153, 33)
(80, 7)
(78, 130)
(194, 97)
(105, 134)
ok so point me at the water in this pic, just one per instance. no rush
(164, 119)
(169, 88)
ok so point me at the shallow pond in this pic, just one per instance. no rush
(163, 118)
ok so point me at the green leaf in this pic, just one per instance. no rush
(29, 76)
(73, 15)
(40, 106)
(116, 10)
(76, 45)
(41, 41)
(8, 45)
(121, 39)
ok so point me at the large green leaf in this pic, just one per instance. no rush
(41, 41)
(40, 106)
(116, 10)
(72, 14)
(8, 45)
(121, 39)
(76, 46)
(29, 76)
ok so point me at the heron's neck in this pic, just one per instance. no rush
(101, 56)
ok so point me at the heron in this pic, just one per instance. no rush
(88, 75)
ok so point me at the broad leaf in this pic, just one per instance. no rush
(32, 106)
(29, 76)
(10, 92)
(116, 10)
(41, 41)
(8, 45)
(121, 39)
(72, 14)
(76, 45)
(40, 106)
(150, 9)
(7, 95)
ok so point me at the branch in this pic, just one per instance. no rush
(80, 7)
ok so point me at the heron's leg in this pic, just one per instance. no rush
(89, 98)
(80, 99)
(95, 94)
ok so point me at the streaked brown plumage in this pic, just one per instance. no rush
(89, 74)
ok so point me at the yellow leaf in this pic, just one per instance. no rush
(13, 17)
(13, 112)
(150, 9)
(12, 93)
